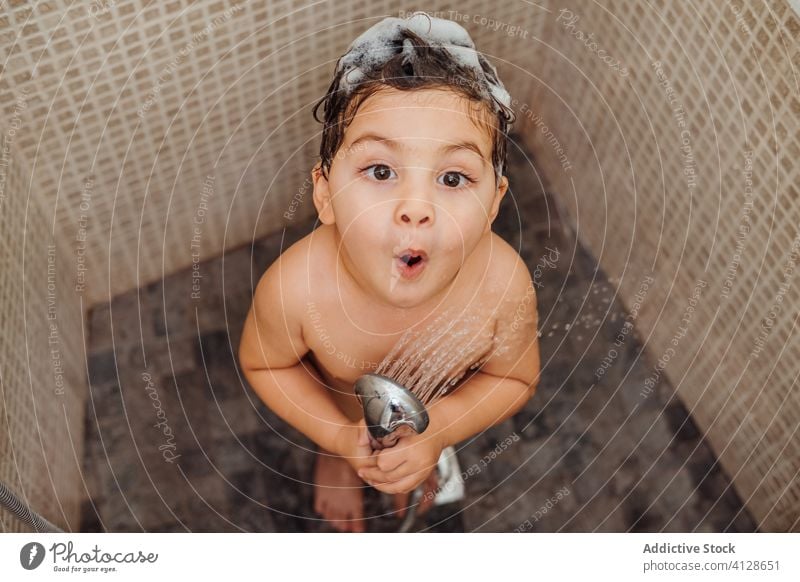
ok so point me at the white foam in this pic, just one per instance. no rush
(378, 44)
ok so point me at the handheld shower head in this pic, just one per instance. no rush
(390, 410)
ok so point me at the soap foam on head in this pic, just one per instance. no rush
(379, 43)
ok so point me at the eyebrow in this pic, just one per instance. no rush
(396, 144)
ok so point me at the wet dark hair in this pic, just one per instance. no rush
(432, 67)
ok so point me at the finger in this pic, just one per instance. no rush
(374, 475)
(388, 463)
(368, 474)
(368, 463)
(402, 486)
(378, 475)
(392, 458)
(383, 487)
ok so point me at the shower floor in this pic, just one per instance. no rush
(176, 442)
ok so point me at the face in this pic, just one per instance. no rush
(411, 192)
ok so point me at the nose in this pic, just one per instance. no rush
(415, 209)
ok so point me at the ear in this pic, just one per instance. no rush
(322, 195)
(502, 188)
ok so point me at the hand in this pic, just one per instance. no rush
(403, 467)
(352, 444)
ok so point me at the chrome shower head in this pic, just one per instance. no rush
(391, 410)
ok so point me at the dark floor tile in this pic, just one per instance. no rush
(215, 350)
(90, 518)
(102, 367)
(444, 519)
(680, 422)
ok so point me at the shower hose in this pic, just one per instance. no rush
(25, 513)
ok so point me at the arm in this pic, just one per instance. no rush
(479, 403)
(270, 355)
(507, 380)
(309, 406)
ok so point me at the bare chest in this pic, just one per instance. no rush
(342, 349)
(348, 340)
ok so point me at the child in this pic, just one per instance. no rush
(408, 184)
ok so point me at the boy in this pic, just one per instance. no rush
(409, 182)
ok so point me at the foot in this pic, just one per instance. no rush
(338, 493)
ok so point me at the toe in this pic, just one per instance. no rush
(347, 522)
(337, 521)
(358, 520)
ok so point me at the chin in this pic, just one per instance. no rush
(407, 299)
(405, 302)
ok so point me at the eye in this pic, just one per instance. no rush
(454, 179)
(380, 172)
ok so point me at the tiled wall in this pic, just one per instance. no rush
(675, 151)
(42, 378)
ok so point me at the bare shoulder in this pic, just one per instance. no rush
(512, 290)
(297, 270)
(508, 278)
(273, 332)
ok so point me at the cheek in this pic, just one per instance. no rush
(361, 232)
(466, 219)
(356, 202)
(365, 233)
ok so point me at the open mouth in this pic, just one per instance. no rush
(411, 262)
